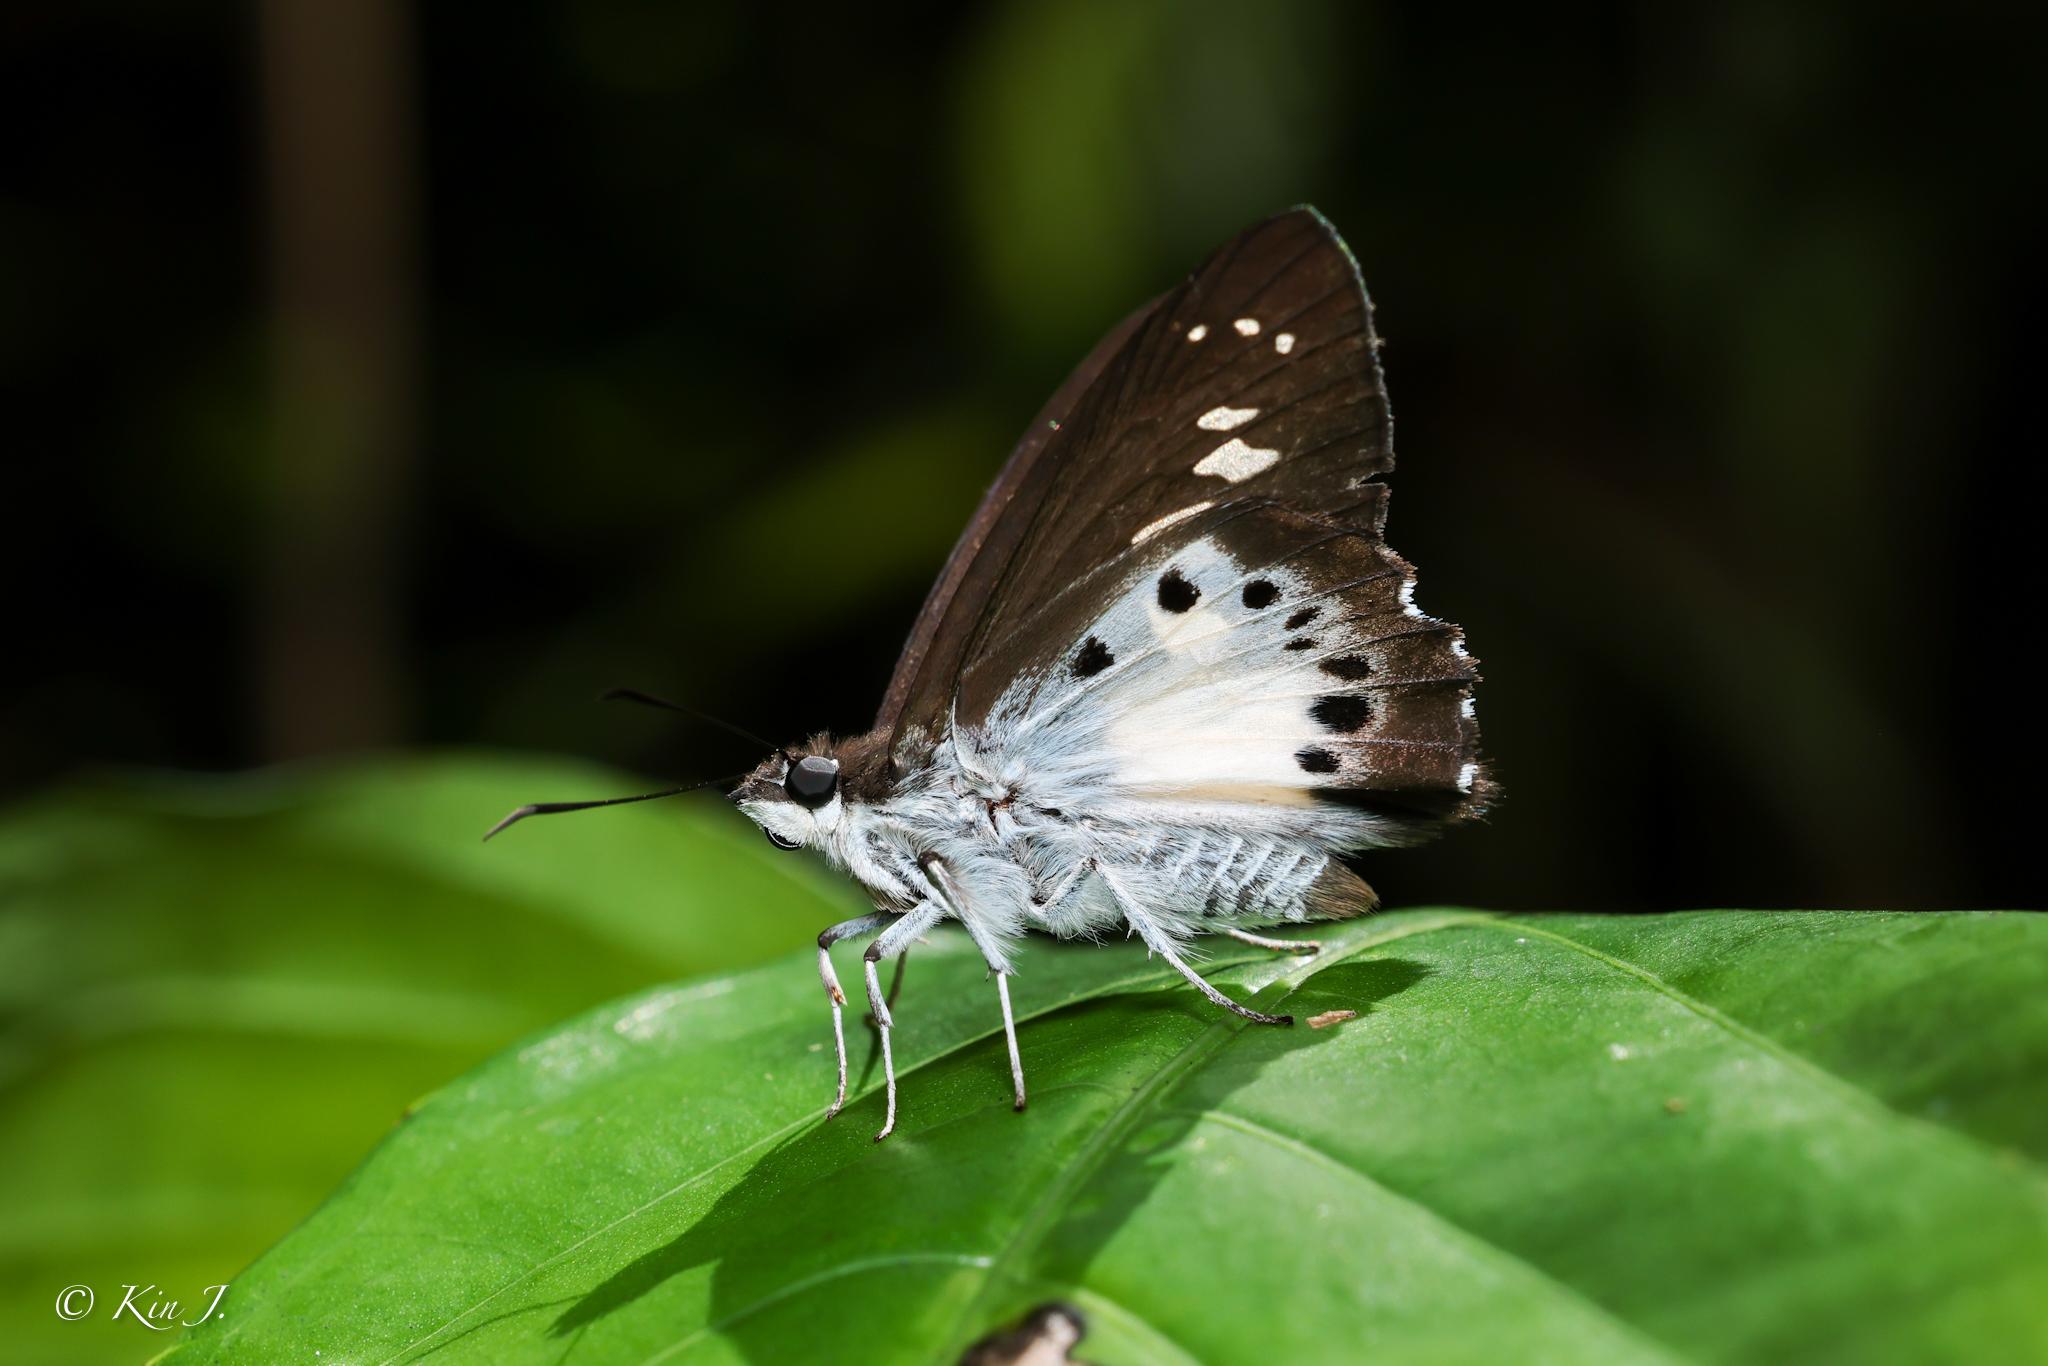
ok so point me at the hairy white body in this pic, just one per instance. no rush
(1042, 854)
(1160, 793)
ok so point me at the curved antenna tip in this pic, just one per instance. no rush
(555, 808)
(517, 816)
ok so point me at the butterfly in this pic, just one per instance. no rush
(1171, 674)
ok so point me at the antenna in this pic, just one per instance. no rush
(648, 699)
(557, 808)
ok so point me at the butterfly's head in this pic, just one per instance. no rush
(793, 796)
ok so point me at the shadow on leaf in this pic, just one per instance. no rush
(967, 1190)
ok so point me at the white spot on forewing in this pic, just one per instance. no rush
(1284, 342)
(1247, 327)
(1235, 461)
(1198, 331)
(1408, 606)
(1465, 708)
(1225, 419)
(1466, 776)
(1458, 649)
(1151, 529)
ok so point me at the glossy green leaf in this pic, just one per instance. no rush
(215, 995)
(1719, 1136)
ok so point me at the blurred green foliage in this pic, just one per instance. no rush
(1725, 1136)
(215, 996)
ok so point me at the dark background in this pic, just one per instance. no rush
(378, 379)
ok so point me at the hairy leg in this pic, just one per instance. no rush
(1260, 941)
(895, 988)
(947, 889)
(845, 929)
(1162, 944)
(893, 940)
(1010, 1033)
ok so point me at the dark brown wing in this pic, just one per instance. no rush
(1245, 406)
(918, 650)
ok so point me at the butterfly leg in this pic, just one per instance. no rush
(895, 988)
(1161, 943)
(845, 929)
(1010, 1033)
(1260, 941)
(948, 891)
(893, 940)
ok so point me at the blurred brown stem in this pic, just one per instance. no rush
(337, 117)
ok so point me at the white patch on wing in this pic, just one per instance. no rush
(1247, 327)
(1466, 776)
(1284, 342)
(1408, 607)
(1465, 708)
(1203, 704)
(1198, 331)
(1151, 529)
(1225, 419)
(1206, 717)
(1237, 462)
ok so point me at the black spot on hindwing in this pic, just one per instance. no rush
(1303, 618)
(1316, 759)
(1342, 714)
(1260, 593)
(1300, 643)
(1350, 668)
(1176, 594)
(1092, 658)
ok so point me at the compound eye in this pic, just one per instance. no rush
(779, 842)
(812, 780)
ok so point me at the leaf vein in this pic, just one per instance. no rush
(1793, 1060)
(1303, 1148)
(810, 1282)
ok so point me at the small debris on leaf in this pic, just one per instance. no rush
(1675, 1105)
(1045, 1337)
(1330, 1017)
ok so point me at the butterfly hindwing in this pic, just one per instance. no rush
(1256, 658)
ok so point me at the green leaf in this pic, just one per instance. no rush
(215, 995)
(1716, 1136)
